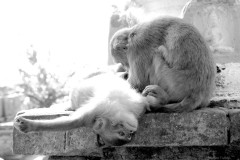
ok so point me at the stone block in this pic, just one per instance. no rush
(46, 143)
(234, 116)
(72, 142)
(172, 153)
(207, 127)
(73, 158)
(82, 142)
(218, 21)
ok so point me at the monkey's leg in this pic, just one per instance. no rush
(156, 96)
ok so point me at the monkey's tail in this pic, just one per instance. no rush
(186, 105)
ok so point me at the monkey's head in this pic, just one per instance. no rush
(119, 47)
(134, 48)
(139, 55)
(117, 131)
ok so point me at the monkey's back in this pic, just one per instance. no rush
(187, 66)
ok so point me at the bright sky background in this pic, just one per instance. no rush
(73, 31)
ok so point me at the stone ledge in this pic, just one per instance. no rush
(171, 153)
(206, 127)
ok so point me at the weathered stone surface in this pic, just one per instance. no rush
(39, 142)
(218, 21)
(72, 142)
(73, 158)
(82, 142)
(234, 116)
(46, 143)
(172, 153)
(198, 128)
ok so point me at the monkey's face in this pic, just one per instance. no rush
(140, 56)
(113, 133)
(118, 44)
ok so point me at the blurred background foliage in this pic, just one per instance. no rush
(42, 86)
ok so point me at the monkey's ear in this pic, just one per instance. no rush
(98, 125)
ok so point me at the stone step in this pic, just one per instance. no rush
(205, 127)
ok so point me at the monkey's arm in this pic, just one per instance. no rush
(81, 117)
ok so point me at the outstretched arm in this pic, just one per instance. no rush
(84, 116)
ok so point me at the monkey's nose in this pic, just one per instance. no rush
(100, 142)
(132, 134)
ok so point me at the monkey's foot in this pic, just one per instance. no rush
(22, 124)
(156, 96)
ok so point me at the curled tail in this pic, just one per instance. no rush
(186, 105)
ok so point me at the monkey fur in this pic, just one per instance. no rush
(168, 61)
(104, 102)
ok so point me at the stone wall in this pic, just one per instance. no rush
(160, 136)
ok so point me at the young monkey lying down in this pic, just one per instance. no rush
(106, 103)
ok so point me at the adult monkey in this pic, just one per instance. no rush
(169, 61)
(105, 102)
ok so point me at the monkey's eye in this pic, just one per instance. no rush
(121, 134)
(121, 48)
(120, 125)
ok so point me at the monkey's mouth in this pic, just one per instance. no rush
(100, 142)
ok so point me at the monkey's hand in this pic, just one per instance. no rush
(156, 96)
(23, 124)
